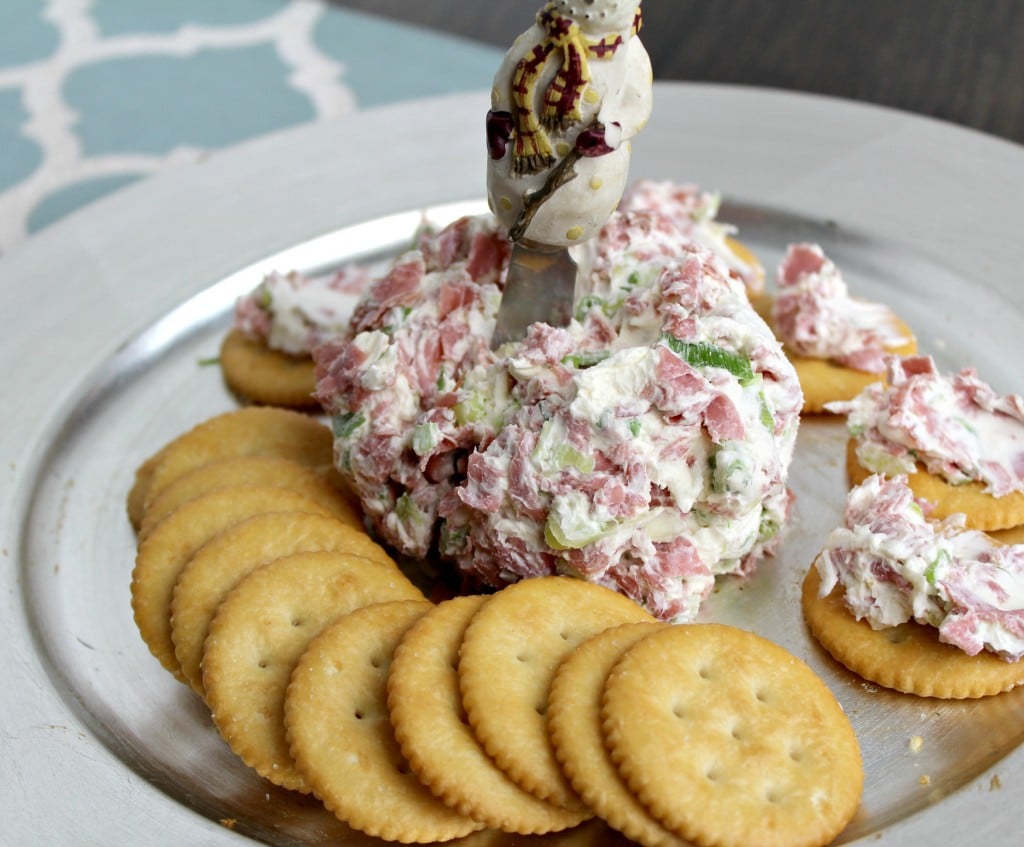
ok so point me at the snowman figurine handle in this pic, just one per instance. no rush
(568, 97)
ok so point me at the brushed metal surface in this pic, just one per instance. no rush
(78, 550)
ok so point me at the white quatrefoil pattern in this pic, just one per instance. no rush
(96, 94)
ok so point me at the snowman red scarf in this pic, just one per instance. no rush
(532, 151)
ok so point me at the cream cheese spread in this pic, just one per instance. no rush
(292, 312)
(895, 564)
(645, 446)
(695, 212)
(815, 316)
(955, 426)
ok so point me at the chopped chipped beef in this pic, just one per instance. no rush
(956, 426)
(816, 317)
(895, 565)
(644, 447)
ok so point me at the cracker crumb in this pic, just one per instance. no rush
(924, 779)
(228, 823)
(995, 783)
(915, 743)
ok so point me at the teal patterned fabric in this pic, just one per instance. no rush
(95, 96)
(118, 17)
(20, 156)
(196, 100)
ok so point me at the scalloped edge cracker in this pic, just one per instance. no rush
(908, 658)
(509, 655)
(258, 634)
(983, 511)
(253, 431)
(341, 737)
(259, 374)
(431, 728)
(740, 743)
(575, 726)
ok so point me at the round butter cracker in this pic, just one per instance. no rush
(982, 510)
(340, 734)
(908, 658)
(222, 562)
(139, 491)
(509, 655)
(165, 551)
(430, 725)
(575, 727)
(260, 374)
(260, 630)
(253, 431)
(1013, 535)
(250, 470)
(729, 740)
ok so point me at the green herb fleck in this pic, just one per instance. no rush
(942, 559)
(700, 354)
(407, 510)
(470, 410)
(585, 359)
(591, 301)
(586, 304)
(565, 455)
(766, 414)
(344, 425)
(425, 437)
(768, 528)
(451, 541)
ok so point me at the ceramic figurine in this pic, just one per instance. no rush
(569, 95)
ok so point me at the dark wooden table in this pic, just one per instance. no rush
(958, 60)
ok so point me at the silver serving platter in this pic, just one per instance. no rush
(92, 722)
(157, 386)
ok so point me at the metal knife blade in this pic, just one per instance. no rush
(539, 287)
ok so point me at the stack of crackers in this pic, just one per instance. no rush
(526, 711)
(554, 700)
